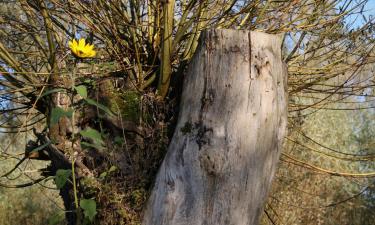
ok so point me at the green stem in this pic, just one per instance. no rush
(74, 185)
(75, 193)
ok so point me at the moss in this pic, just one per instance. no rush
(118, 205)
(128, 103)
(128, 217)
(187, 128)
(89, 186)
(138, 197)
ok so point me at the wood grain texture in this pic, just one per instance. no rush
(225, 149)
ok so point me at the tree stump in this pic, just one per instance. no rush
(224, 152)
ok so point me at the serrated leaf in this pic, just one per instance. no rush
(81, 90)
(57, 113)
(89, 208)
(100, 106)
(93, 134)
(61, 177)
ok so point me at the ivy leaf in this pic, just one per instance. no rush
(61, 177)
(93, 134)
(89, 208)
(81, 90)
(58, 112)
(100, 106)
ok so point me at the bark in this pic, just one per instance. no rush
(225, 149)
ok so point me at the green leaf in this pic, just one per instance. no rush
(56, 219)
(41, 147)
(106, 173)
(58, 112)
(61, 177)
(103, 175)
(52, 91)
(81, 90)
(100, 106)
(119, 140)
(85, 145)
(89, 208)
(88, 81)
(112, 169)
(94, 135)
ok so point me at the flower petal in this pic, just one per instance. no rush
(75, 43)
(73, 46)
(80, 49)
(81, 43)
(92, 53)
(89, 47)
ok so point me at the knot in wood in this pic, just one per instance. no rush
(203, 135)
(212, 160)
(260, 62)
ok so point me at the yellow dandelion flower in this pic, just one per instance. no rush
(82, 50)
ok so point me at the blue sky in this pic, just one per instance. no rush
(368, 11)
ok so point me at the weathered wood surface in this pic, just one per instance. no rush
(224, 152)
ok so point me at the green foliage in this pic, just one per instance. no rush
(126, 104)
(81, 90)
(56, 219)
(336, 140)
(89, 208)
(144, 44)
(106, 173)
(90, 185)
(100, 106)
(50, 91)
(138, 197)
(118, 140)
(41, 147)
(58, 113)
(62, 177)
(32, 205)
(93, 135)
(112, 169)
(131, 107)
